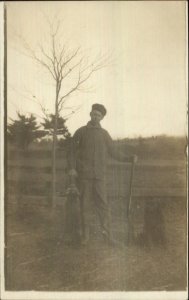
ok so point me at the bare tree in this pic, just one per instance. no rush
(69, 70)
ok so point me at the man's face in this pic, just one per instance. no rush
(96, 116)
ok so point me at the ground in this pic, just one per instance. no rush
(37, 257)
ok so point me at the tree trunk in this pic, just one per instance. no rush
(54, 155)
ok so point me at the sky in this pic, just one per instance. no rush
(144, 86)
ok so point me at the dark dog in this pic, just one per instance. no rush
(154, 226)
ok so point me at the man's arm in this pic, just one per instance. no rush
(117, 154)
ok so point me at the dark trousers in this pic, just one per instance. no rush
(93, 195)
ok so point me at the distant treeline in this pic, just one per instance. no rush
(157, 147)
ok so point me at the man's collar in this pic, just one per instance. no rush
(90, 125)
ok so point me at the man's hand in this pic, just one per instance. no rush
(135, 158)
(73, 173)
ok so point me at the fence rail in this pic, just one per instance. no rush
(29, 177)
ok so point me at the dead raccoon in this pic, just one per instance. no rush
(73, 219)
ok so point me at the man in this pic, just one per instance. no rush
(90, 146)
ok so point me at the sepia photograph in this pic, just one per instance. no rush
(94, 150)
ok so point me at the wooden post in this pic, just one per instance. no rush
(129, 205)
(130, 189)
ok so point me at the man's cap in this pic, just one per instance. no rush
(100, 108)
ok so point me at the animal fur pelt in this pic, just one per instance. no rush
(72, 222)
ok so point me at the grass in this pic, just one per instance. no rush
(38, 257)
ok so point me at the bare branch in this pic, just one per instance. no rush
(71, 70)
(82, 78)
(57, 28)
(45, 54)
(76, 109)
(46, 115)
(54, 57)
(47, 19)
(44, 65)
(32, 55)
(71, 57)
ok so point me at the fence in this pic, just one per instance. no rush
(29, 182)
(29, 175)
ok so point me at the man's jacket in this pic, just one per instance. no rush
(89, 151)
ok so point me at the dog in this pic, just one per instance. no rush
(154, 226)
